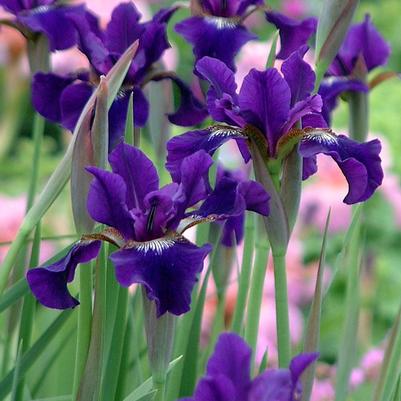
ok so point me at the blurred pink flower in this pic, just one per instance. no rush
(323, 390)
(294, 8)
(371, 363)
(12, 211)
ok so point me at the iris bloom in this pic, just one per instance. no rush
(218, 31)
(293, 33)
(62, 98)
(363, 48)
(228, 375)
(45, 16)
(147, 222)
(269, 105)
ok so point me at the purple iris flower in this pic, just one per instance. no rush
(218, 31)
(62, 98)
(228, 375)
(46, 16)
(293, 33)
(271, 104)
(147, 222)
(363, 45)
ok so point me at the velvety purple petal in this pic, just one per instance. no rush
(215, 389)
(49, 283)
(107, 201)
(312, 104)
(186, 144)
(273, 385)
(190, 111)
(256, 197)
(164, 14)
(123, 28)
(137, 172)
(167, 268)
(299, 363)
(293, 33)
(309, 166)
(330, 89)
(299, 76)
(362, 39)
(225, 201)
(232, 359)
(222, 99)
(194, 178)
(91, 44)
(152, 44)
(264, 100)
(118, 114)
(359, 162)
(46, 93)
(214, 37)
(233, 230)
(50, 20)
(72, 101)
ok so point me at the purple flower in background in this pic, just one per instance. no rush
(363, 50)
(293, 33)
(147, 223)
(45, 16)
(271, 104)
(228, 375)
(62, 98)
(218, 31)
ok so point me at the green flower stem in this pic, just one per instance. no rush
(282, 319)
(245, 275)
(160, 386)
(28, 312)
(256, 294)
(84, 322)
(358, 105)
(38, 130)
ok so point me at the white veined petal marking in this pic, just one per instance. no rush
(221, 22)
(225, 132)
(157, 245)
(322, 136)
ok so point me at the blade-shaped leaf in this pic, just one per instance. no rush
(334, 21)
(313, 327)
(271, 58)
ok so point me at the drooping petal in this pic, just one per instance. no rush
(222, 99)
(293, 33)
(281, 384)
(309, 166)
(264, 101)
(299, 76)
(215, 389)
(167, 267)
(72, 101)
(216, 37)
(233, 231)
(49, 283)
(123, 28)
(137, 172)
(107, 201)
(359, 162)
(46, 93)
(330, 89)
(255, 196)
(49, 22)
(186, 144)
(13, 6)
(190, 111)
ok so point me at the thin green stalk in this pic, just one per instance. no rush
(160, 386)
(28, 312)
(256, 294)
(84, 322)
(245, 275)
(358, 105)
(38, 130)
(282, 319)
